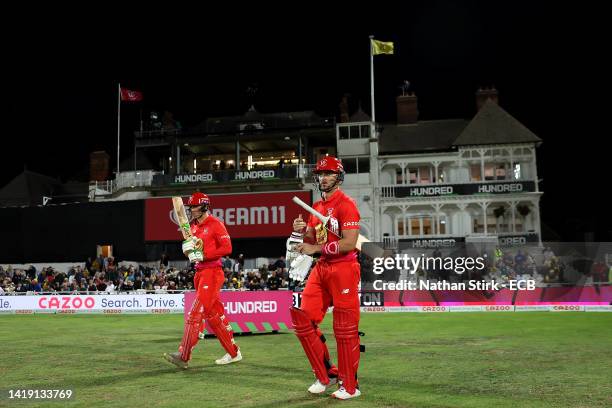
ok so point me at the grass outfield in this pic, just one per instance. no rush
(412, 360)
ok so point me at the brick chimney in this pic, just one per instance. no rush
(99, 166)
(486, 93)
(407, 109)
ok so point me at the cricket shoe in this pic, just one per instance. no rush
(344, 395)
(227, 359)
(318, 387)
(175, 358)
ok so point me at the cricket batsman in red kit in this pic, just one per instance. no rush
(333, 281)
(211, 241)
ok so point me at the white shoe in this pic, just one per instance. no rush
(227, 359)
(318, 387)
(343, 394)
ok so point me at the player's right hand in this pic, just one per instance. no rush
(188, 246)
(299, 224)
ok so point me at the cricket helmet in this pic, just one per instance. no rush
(198, 199)
(329, 163)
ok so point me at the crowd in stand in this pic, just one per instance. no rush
(103, 275)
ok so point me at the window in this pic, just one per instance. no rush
(354, 165)
(492, 226)
(489, 172)
(415, 225)
(425, 173)
(344, 132)
(413, 172)
(350, 165)
(427, 226)
(398, 175)
(475, 172)
(442, 225)
(363, 165)
(415, 222)
(365, 131)
(400, 227)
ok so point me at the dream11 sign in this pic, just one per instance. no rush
(249, 215)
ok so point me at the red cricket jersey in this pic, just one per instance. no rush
(217, 242)
(345, 216)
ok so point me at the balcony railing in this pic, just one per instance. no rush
(157, 133)
(151, 178)
(126, 179)
(448, 189)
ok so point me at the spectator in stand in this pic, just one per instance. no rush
(46, 286)
(8, 285)
(280, 263)
(78, 276)
(274, 282)
(110, 287)
(91, 287)
(95, 266)
(31, 273)
(227, 263)
(124, 287)
(59, 279)
(164, 261)
(88, 263)
(130, 286)
(130, 274)
(17, 277)
(35, 286)
(101, 286)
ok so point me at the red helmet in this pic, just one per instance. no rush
(198, 199)
(329, 163)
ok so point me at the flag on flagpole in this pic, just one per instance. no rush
(381, 47)
(128, 95)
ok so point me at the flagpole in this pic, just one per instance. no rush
(135, 140)
(372, 79)
(118, 124)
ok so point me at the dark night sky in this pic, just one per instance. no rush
(537, 57)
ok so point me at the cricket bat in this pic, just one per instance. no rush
(183, 221)
(373, 251)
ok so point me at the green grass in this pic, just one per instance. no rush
(412, 360)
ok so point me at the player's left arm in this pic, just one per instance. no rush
(223, 241)
(349, 240)
(348, 220)
(345, 244)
